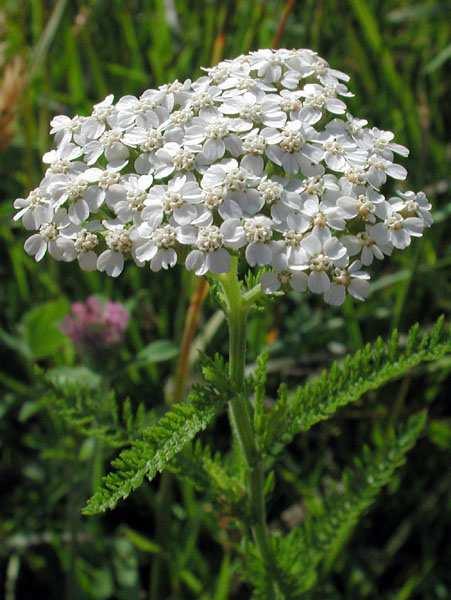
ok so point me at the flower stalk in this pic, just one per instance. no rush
(237, 306)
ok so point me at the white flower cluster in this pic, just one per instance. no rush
(258, 157)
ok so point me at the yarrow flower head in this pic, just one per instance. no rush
(93, 325)
(258, 158)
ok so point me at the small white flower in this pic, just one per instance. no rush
(209, 253)
(291, 148)
(128, 198)
(342, 153)
(177, 200)
(176, 93)
(352, 280)
(215, 135)
(65, 129)
(410, 204)
(49, 238)
(309, 64)
(238, 182)
(258, 233)
(103, 115)
(281, 276)
(378, 168)
(368, 205)
(321, 216)
(173, 157)
(365, 243)
(318, 187)
(318, 99)
(110, 143)
(62, 159)
(80, 243)
(380, 142)
(280, 196)
(319, 254)
(397, 230)
(269, 64)
(77, 194)
(145, 112)
(34, 210)
(119, 245)
(252, 110)
(157, 245)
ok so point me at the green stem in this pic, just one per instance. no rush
(237, 308)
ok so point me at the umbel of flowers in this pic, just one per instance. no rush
(258, 158)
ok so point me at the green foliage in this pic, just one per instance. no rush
(159, 443)
(40, 328)
(346, 382)
(78, 52)
(208, 472)
(309, 550)
(158, 351)
(86, 406)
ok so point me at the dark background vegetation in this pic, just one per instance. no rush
(63, 56)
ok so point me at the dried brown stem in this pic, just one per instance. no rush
(190, 327)
(288, 8)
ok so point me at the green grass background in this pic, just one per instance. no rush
(399, 57)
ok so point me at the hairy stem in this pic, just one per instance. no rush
(237, 308)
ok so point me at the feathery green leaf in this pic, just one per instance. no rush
(346, 382)
(312, 547)
(157, 447)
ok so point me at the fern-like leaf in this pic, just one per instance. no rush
(346, 382)
(313, 546)
(157, 447)
(209, 473)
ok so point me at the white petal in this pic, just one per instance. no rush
(213, 150)
(396, 171)
(153, 215)
(164, 258)
(259, 254)
(184, 215)
(218, 261)
(146, 251)
(334, 249)
(400, 238)
(35, 246)
(311, 244)
(270, 283)
(318, 282)
(230, 209)
(87, 261)
(359, 288)
(252, 202)
(349, 205)
(414, 226)
(298, 281)
(195, 261)
(111, 262)
(335, 162)
(367, 256)
(335, 295)
(253, 164)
